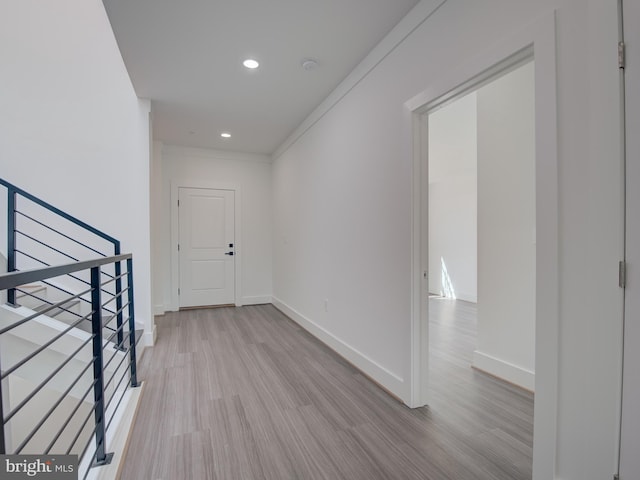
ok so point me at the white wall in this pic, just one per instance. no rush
(342, 217)
(72, 130)
(506, 227)
(629, 458)
(250, 174)
(591, 241)
(453, 200)
(159, 249)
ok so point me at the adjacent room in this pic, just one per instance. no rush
(481, 274)
(482, 223)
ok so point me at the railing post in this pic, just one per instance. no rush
(119, 317)
(132, 324)
(102, 458)
(11, 241)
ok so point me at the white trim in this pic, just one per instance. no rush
(149, 338)
(547, 253)
(257, 300)
(416, 17)
(117, 437)
(507, 371)
(388, 380)
(175, 235)
(158, 309)
(540, 37)
(467, 297)
(179, 152)
(442, 93)
(419, 368)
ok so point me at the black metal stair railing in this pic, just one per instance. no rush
(41, 235)
(94, 371)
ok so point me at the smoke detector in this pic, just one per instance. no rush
(309, 63)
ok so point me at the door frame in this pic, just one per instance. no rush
(630, 387)
(537, 41)
(175, 237)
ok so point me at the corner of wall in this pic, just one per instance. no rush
(149, 338)
(504, 370)
(257, 300)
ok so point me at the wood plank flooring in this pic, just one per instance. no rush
(244, 393)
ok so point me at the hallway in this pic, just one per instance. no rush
(244, 393)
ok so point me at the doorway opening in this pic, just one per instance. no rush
(481, 205)
(537, 42)
(481, 257)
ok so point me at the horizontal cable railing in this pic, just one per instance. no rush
(39, 234)
(60, 394)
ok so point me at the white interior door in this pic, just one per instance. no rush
(630, 439)
(206, 247)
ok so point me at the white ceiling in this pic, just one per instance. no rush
(186, 56)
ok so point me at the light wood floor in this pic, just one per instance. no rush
(244, 393)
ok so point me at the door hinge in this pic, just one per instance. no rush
(621, 55)
(178, 202)
(178, 247)
(622, 274)
(178, 291)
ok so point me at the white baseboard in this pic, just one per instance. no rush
(388, 380)
(467, 297)
(159, 309)
(504, 370)
(149, 338)
(118, 436)
(459, 296)
(256, 300)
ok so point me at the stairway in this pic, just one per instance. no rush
(67, 337)
(36, 298)
(26, 339)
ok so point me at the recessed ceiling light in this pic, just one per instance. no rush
(251, 63)
(225, 135)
